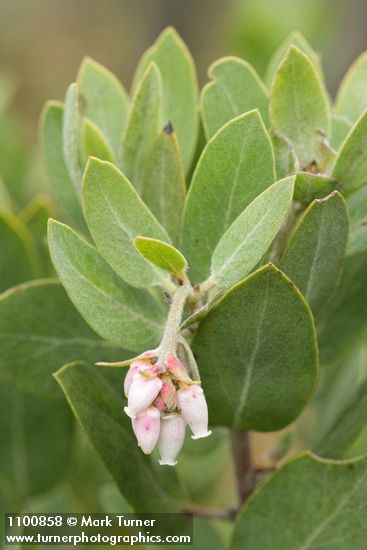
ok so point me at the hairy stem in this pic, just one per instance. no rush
(172, 329)
(244, 468)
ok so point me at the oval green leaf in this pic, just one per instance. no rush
(115, 215)
(357, 210)
(161, 254)
(298, 103)
(315, 253)
(104, 101)
(236, 165)
(257, 354)
(180, 88)
(123, 315)
(235, 89)
(251, 234)
(308, 504)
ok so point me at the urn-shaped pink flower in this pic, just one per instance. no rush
(194, 410)
(146, 427)
(171, 438)
(136, 366)
(143, 390)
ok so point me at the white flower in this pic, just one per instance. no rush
(135, 367)
(194, 410)
(146, 427)
(171, 438)
(142, 392)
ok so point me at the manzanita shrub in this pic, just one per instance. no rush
(216, 251)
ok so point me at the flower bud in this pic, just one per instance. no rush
(142, 392)
(135, 367)
(166, 400)
(194, 410)
(146, 427)
(177, 369)
(171, 438)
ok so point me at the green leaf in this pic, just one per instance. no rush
(257, 355)
(70, 135)
(310, 186)
(93, 143)
(346, 429)
(36, 442)
(143, 125)
(161, 254)
(235, 89)
(357, 209)
(35, 216)
(251, 234)
(180, 88)
(294, 39)
(115, 215)
(164, 187)
(104, 101)
(40, 330)
(97, 406)
(340, 128)
(351, 99)
(298, 103)
(286, 160)
(19, 260)
(315, 253)
(308, 504)
(57, 173)
(123, 315)
(236, 165)
(345, 324)
(350, 168)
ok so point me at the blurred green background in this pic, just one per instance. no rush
(42, 43)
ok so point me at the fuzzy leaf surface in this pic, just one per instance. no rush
(357, 209)
(351, 99)
(115, 215)
(57, 173)
(259, 342)
(40, 330)
(298, 103)
(350, 169)
(236, 165)
(235, 88)
(307, 505)
(70, 135)
(104, 101)
(161, 254)
(315, 254)
(94, 143)
(143, 125)
(164, 186)
(180, 88)
(125, 316)
(248, 238)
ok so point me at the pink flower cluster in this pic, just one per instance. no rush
(161, 402)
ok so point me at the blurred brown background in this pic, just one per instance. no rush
(43, 41)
